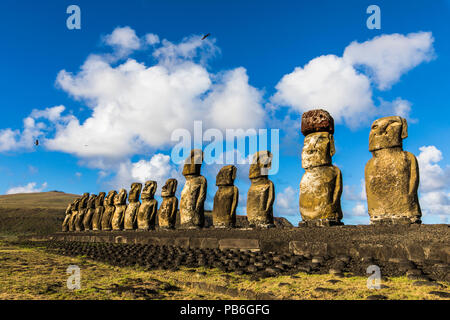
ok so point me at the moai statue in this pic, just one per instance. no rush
(193, 196)
(69, 210)
(87, 221)
(120, 202)
(226, 198)
(109, 210)
(82, 209)
(392, 175)
(321, 185)
(133, 206)
(149, 207)
(74, 214)
(167, 215)
(99, 209)
(261, 194)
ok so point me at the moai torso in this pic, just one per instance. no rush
(74, 214)
(65, 224)
(133, 207)
(194, 193)
(109, 210)
(90, 210)
(392, 175)
(149, 207)
(261, 195)
(82, 209)
(225, 199)
(120, 204)
(98, 213)
(167, 214)
(321, 185)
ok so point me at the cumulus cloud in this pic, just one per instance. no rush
(343, 85)
(360, 209)
(159, 168)
(135, 107)
(29, 188)
(434, 194)
(286, 203)
(388, 57)
(124, 40)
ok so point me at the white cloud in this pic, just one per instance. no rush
(124, 40)
(434, 196)
(360, 209)
(390, 56)
(432, 176)
(286, 203)
(135, 107)
(354, 195)
(151, 38)
(158, 168)
(29, 188)
(342, 87)
(51, 114)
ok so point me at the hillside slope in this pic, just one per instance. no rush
(33, 213)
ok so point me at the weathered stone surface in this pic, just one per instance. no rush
(82, 209)
(194, 193)
(130, 220)
(74, 214)
(90, 210)
(241, 244)
(226, 198)
(149, 207)
(68, 215)
(261, 194)
(167, 214)
(321, 185)
(98, 213)
(317, 121)
(120, 204)
(392, 175)
(109, 210)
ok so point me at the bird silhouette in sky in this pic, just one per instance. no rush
(206, 36)
(36, 142)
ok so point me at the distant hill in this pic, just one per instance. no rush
(33, 213)
(44, 200)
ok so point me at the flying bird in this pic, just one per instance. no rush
(206, 36)
(36, 142)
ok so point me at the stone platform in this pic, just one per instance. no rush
(417, 243)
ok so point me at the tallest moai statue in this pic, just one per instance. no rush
(392, 175)
(321, 185)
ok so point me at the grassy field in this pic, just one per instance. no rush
(34, 273)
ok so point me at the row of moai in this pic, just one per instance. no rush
(391, 177)
(111, 212)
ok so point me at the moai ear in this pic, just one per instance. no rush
(404, 128)
(332, 148)
(175, 185)
(233, 174)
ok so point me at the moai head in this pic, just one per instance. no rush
(169, 188)
(100, 199)
(387, 132)
(121, 197)
(261, 164)
(135, 192)
(317, 121)
(109, 200)
(317, 150)
(75, 204)
(91, 201)
(193, 163)
(149, 190)
(226, 176)
(83, 201)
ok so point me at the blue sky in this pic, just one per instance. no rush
(243, 75)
